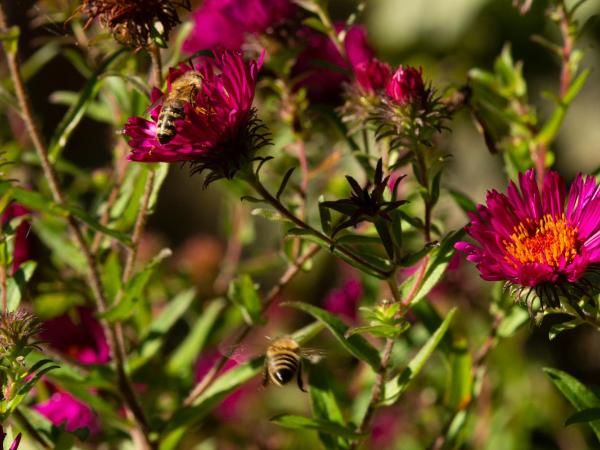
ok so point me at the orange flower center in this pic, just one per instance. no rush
(550, 241)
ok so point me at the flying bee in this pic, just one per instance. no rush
(183, 90)
(283, 361)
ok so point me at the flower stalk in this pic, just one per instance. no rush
(124, 383)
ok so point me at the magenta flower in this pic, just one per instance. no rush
(321, 69)
(22, 238)
(226, 23)
(78, 335)
(372, 76)
(64, 409)
(534, 238)
(344, 301)
(219, 130)
(406, 86)
(15, 443)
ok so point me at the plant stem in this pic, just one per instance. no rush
(30, 429)
(4, 288)
(380, 377)
(289, 274)
(77, 235)
(267, 196)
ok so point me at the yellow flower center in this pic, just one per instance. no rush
(550, 241)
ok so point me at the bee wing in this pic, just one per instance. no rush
(157, 101)
(237, 352)
(313, 355)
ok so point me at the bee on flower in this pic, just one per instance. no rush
(216, 128)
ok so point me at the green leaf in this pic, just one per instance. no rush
(284, 182)
(134, 290)
(320, 425)
(396, 386)
(356, 344)
(463, 201)
(585, 415)
(38, 202)
(10, 39)
(460, 382)
(382, 330)
(515, 319)
(438, 262)
(244, 293)
(182, 360)
(154, 339)
(580, 396)
(548, 133)
(16, 285)
(268, 214)
(325, 216)
(558, 328)
(324, 405)
(73, 116)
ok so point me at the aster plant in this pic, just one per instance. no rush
(258, 169)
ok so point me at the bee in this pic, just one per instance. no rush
(183, 90)
(283, 362)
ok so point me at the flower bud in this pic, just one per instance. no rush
(406, 86)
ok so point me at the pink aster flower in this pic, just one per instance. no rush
(15, 442)
(78, 335)
(64, 409)
(321, 69)
(344, 301)
(372, 76)
(406, 86)
(226, 23)
(536, 238)
(22, 238)
(218, 130)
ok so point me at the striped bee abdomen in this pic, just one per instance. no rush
(165, 126)
(283, 366)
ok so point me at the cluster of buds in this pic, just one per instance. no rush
(17, 331)
(135, 23)
(399, 103)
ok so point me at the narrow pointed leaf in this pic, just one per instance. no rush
(356, 345)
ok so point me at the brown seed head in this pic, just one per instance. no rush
(135, 23)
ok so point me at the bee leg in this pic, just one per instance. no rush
(265, 374)
(299, 379)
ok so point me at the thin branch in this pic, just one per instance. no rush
(255, 183)
(273, 293)
(77, 235)
(4, 288)
(380, 378)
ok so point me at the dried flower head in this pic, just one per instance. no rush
(17, 329)
(544, 240)
(135, 23)
(216, 129)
